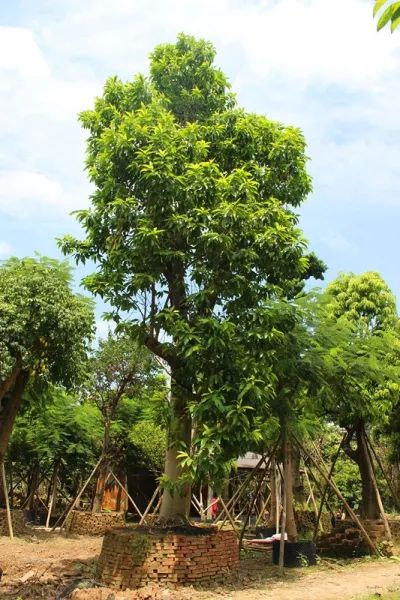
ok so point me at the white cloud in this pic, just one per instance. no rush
(20, 53)
(306, 40)
(26, 194)
(103, 328)
(337, 242)
(6, 250)
(318, 64)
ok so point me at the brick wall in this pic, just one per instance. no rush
(133, 557)
(346, 539)
(17, 520)
(87, 523)
(394, 525)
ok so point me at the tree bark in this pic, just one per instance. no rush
(8, 384)
(103, 471)
(53, 491)
(298, 487)
(274, 495)
(291, 528)
(9, 409)
(177, 494)
(33, 485)
(369, 502)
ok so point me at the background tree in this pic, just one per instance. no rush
(55, 437)
(119, 369)
(390, 13)
(45, 330)
(365, 383)
(191, 225)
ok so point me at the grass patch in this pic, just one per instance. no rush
(388, 596)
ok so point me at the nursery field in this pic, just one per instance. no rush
(52, 567)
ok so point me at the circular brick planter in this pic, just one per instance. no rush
(87, 523)
(134, 557)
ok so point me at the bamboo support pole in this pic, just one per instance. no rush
(239, 492)
(74, 502)
(376, 490)
(150, 504)
(385, 475)
(313, 498)
(9, 518)
(338, 493)
(262, 477)
(130, 497)
(232, 522)
(157, 508)
(251, 505)
(263, 508)
(281, 560)
(325, 491)
(53, 492)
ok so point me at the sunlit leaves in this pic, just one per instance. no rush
(192, 229)
(390, 13)
(44, 327)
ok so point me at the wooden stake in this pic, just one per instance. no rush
(74, 502)
(264, 506)
(239, 492)
(283, 522)
(385, 475)
(262, 477)
(341, 497)
(312, 497)
(232, 522)
(53, 492)
(130, 498)
(157, 508)
(148, 507)
(376, 489)
(330, 475)
(9, 518)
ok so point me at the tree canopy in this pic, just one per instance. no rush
(45, 331)
(192, 219)
(364, 386)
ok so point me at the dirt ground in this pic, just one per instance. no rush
(52, 567)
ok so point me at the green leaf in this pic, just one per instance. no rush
(396, 18)
(385, 17)
(378, 5)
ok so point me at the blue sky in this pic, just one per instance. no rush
(317, 64)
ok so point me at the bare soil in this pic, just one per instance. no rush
(51, 567)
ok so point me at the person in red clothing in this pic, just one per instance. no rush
(214, 507)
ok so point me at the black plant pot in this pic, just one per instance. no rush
(297, 554)
(265, 532)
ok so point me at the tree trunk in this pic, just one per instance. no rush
(291, 528)
(274, 495)
(9, 409)
(369, 508)
(8, 384)
(33, 486)
(103, 471)
(298, 487)
(177, 495)
(53, 491)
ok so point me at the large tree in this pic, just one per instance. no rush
(45, 330)
(191, 225)
(365, 385)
